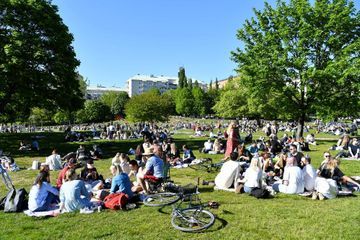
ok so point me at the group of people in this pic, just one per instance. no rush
(78, 191)
(280, 166)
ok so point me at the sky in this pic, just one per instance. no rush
(117, 39)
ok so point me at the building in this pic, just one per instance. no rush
(221, 83)
(141, 83)
(96, 92)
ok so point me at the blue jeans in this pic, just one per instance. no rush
(276, 187)
(247, 189)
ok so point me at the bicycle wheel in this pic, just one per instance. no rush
(192, 220)
(161, 199)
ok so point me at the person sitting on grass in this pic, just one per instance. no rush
(62, 174)
(134, 170)
(293, 181)
(73, 194)
(154, 169)
(124, 163)
(329, 179)
(354, 149)
(120, 182)
(253, 175)
(54, 161)
(42, 196)
(244, 153)
(188, 155)
(91, 177)
(309, 174)
(208, 145)
(229, 173)
(173, 155)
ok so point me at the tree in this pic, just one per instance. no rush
(39, 116)
(199, 101)
(118, 105)
(61, 117)
(210, 85)
(94, 111)
(184, 102)
(302, 59)
(148, 107)
(182, 78)
(190, 84)
(37, 61)
(216, 85)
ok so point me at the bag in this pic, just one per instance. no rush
(35, 165)
(16, 200)
(260, 193)
(116, 201)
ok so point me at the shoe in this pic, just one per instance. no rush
(314, 196)
(130, 206)
(321, 196)
(86, 211)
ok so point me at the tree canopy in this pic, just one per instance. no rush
(149, 107)
(37, 60)
(300, 59)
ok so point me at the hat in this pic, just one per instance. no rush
(148, 152)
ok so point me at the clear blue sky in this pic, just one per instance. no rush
(116, 39)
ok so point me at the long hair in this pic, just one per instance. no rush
(41, 177)
(70, 175)
(118, 169)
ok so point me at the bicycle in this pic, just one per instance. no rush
(190, 219)
(207, 165)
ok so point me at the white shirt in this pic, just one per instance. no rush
(253, 177)
(54, 162)
(208, 145)
(309, 174)
(295, 180)
(228, 174)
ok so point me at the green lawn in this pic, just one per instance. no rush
(238, 217)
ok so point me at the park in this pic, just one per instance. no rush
(296, 85)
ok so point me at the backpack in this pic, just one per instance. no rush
(116, 201)
(260, 193)
(16, 200)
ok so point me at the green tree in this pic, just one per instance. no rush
(190, 84)
(216, 84)
(199, 101)
(148, 107)
(118, 105)
(39, 116)
(302, 59)
(184, 102)
(94, 111)
(37, 61)
(61, 117)
(182, 78)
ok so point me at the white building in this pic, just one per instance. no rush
(93, 92)
(141, 83)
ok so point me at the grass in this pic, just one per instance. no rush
(238, 217)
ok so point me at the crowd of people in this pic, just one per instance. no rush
(279, 165)
(275, 164)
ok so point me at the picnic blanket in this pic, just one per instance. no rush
(51, 213)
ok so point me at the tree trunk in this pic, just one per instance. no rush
(300, 126)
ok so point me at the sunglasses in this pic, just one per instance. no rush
(327, 156)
